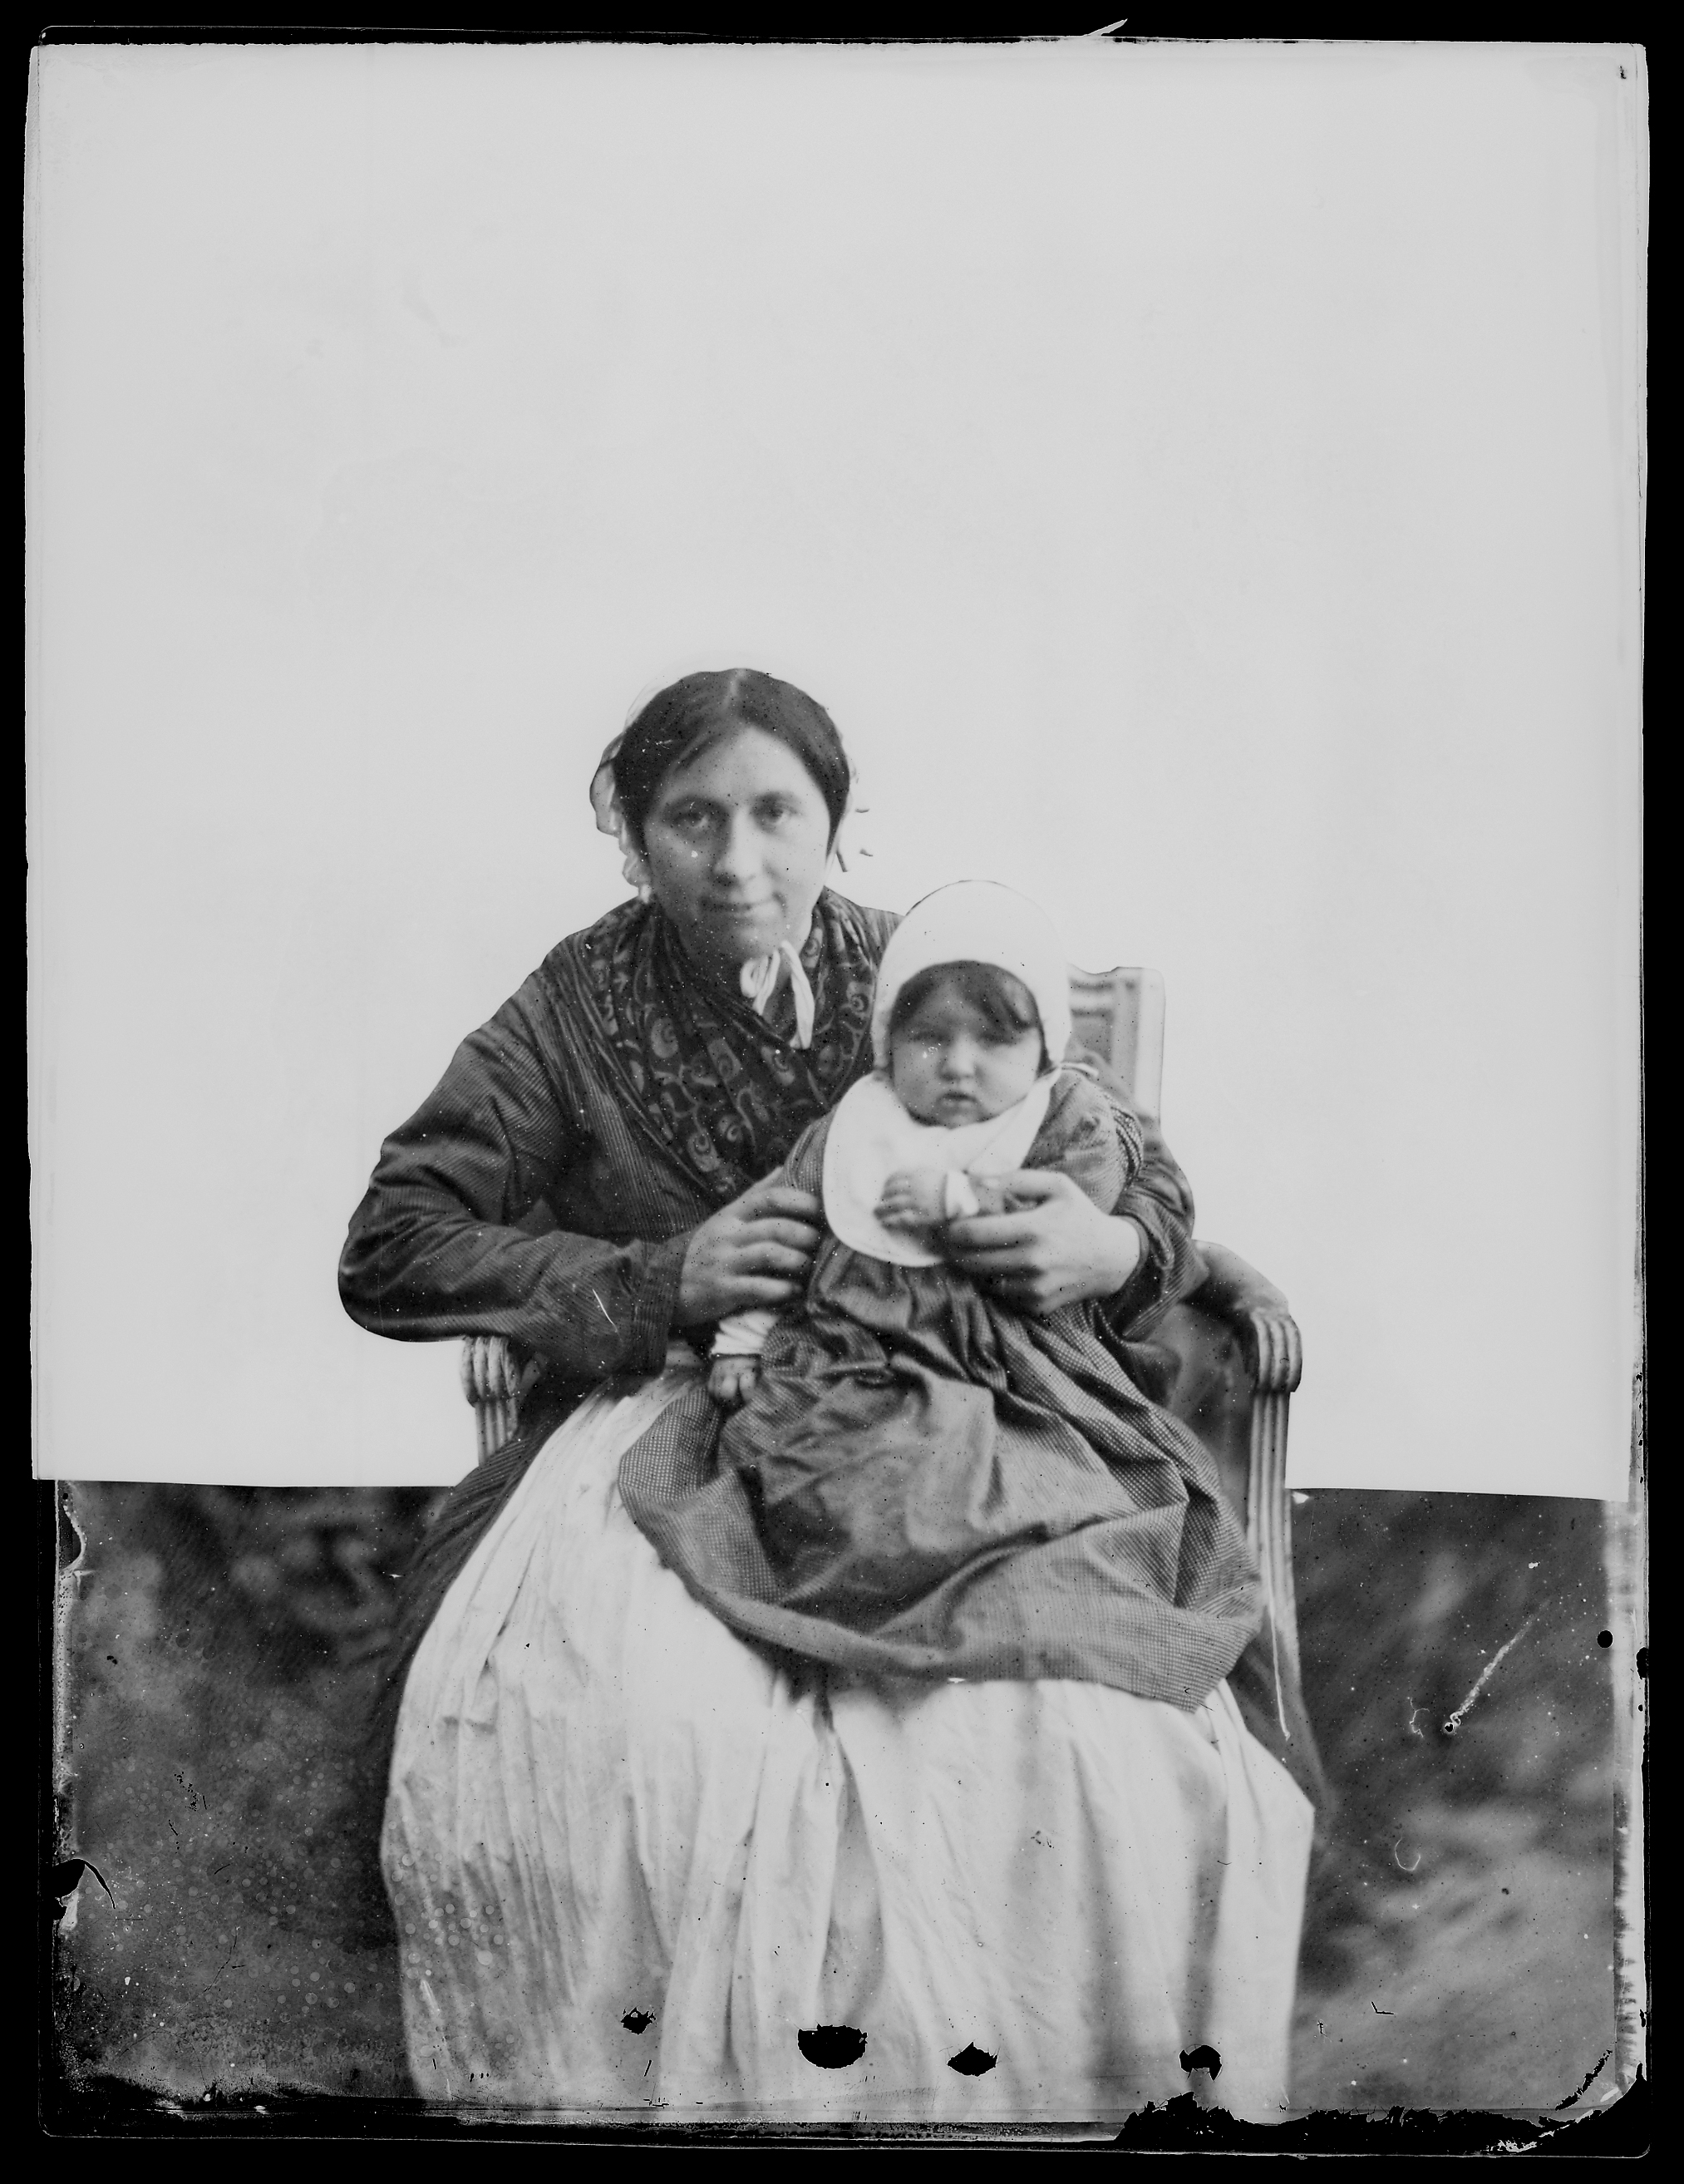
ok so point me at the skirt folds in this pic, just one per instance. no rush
(634, 1860)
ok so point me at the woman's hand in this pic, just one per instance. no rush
(1060, 1250)
(754, 1251)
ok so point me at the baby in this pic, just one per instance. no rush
(901, 1474)
(960, 1045)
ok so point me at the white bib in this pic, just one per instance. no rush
(872, 1137)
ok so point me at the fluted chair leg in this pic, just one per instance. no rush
(1269, 1528)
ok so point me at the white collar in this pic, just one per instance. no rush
(872, 1137)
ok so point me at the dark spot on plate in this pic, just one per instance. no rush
(971, 2062)
(1604, 1637)
(831, 2046)
(1201, 2059)
(637, 2021)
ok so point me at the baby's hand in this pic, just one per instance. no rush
(918, 1198)
(733, 1381)
(912, 1199)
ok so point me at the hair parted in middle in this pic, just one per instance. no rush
(682, 721)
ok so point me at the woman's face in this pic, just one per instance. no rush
(736, 843)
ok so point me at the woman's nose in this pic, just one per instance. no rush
(734, 855)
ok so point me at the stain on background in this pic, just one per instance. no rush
(1459, 1947)
(221, 1646)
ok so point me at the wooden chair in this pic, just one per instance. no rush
(1252, 1358)
(1235, 1399)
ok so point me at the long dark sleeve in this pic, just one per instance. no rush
(1159, 1201)
(435, 1248)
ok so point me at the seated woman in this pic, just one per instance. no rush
(922, 1481)
(632, 1858)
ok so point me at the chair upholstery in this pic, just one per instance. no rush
(1238, 1347)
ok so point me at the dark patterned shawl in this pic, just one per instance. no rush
(721, 1090)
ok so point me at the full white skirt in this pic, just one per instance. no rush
(632, 1862)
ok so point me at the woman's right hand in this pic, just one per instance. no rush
(754, 1251)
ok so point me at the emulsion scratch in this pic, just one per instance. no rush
(1414, 1730)
(1486, 1674)
(605, 1313)
(1589, 2082)
(1398, 1862)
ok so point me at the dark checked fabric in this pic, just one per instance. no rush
(926, 1483)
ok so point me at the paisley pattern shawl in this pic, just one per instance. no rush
(721, 1091)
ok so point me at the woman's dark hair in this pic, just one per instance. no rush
(682, 721)
(1004, 1003)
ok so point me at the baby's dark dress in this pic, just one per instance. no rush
(926, 1482)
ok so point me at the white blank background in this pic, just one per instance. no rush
(1201, 482)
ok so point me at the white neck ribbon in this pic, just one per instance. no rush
(761, 979)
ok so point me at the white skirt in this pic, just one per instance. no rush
(633, 1863)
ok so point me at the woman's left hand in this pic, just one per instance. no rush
(1060, 1250)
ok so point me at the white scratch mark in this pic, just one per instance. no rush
(1408, 1701)
(1485, 1675)
(1402, 1868)
(605, 1313)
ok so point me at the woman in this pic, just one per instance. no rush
(631, 1859)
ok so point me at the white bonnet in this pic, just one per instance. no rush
(977, 922)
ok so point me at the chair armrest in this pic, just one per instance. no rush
(491, 1371)
(1244, 1299)
(495, 1375)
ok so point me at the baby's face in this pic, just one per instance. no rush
(947, 1066)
